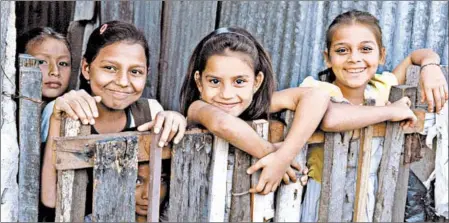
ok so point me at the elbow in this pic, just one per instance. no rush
(320, 97)
(329, 123)
(220, 126)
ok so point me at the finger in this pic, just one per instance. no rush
(275, 186)
(63, 106)
(429, 98)
(437, 99)
(174, 130)
(79, 111)
(160, 117)
(87, 111)
(255, 167)
(267, 189)
(446, 91)
(296, 165)
(261, 185)
(286, 179)
(89, 106)
(91, 101)
(443, 97)
(304, 180)
(305, 171)
(181, 132)
(145, 127)
(166, 130)
(97, 99)
(423, 93)
(292, 174)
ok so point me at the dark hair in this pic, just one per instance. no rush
(37, 35)
(351, 17)
(110, 33)
(235, 40)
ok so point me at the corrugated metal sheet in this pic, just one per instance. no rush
(293, 32)
(55, 14)
(185, 24)
(117, 10)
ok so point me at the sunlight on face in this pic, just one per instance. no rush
(228, 82)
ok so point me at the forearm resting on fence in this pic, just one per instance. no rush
(48, 180)
(232, 129)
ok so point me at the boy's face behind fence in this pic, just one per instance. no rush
(55, 65)
(142, 184)
(118, 74)
(228, 82)
(354, 55)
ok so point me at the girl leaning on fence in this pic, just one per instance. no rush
(114, 72)
(353, 53)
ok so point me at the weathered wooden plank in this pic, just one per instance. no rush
(334, 171)
(190, 178)
(351, 180)
(217, 189)
(115, 175)
(363, 171)
(240, 201)
(71, 184)
(78, 152)
(75, 35)
(262, 206)
(84, 10)
(390, 166)
(154, 187)
(30, 84)
(289, 197)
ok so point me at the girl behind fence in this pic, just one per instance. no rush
(353, 53)
(230, 79)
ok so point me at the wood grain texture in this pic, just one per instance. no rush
(154, 187)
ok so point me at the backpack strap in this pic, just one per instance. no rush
(141, 111)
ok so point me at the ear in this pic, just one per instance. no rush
(383, 56)
(197, 78)
(85, 69)
(327, 60)
(259, 80)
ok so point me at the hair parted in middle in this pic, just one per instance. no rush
(219, 42)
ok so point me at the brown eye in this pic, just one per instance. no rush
(214, 81)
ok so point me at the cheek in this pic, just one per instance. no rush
(209, 93)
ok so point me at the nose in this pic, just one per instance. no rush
(53, 70)
(122, 79)
(145, 192)
(227, 91)
(355, 56)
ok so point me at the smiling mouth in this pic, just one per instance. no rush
(53, 85)
(119, 94)
(143, 207)
(355, 70)
(227, 106)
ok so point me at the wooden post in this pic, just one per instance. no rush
(240, 200)
(71, 184)
(30, 84)
(334, 174)
(115, 174)
(393, 176)
(262, 206)
(363, 171)
(217, 189)
(154, 187)
(190, 174)
(289, 197)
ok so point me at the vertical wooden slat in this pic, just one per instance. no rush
(334, 172)
(217, 189)
(115, 175)
(390, 165)
(262, 206)
(289, 197)
(154, 187)
(241, 183)
(363, 171)
(351, 181)
(190, 178)
(30, 82)
(71, 187)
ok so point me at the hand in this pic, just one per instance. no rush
(173, 124)
(291, 172)
(433, 86)
(77, 104)
(401, 111)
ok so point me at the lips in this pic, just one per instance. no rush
(119, 94)
(143, 207)
(53, 84)
(355, 70)
(227, 106)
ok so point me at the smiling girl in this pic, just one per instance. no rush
(114, 71)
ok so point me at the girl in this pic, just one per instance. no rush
(230, 79)
(53, 50)
(353, 53)
(114, 69)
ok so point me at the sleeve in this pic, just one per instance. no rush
(379, 87)
(332, 90)
(45, 120)
(155, 107)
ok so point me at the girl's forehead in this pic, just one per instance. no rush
(123, 52)
(353, 34)
(228, 66)
(47, 45)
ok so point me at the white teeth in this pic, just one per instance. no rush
(355, 70)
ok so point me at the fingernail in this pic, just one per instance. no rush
(156, 130)
(161, 144)
(96, 114)
(85, 122)
(92, 121)
(176, 141)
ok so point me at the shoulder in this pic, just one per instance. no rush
(333, 90)
(45, 120)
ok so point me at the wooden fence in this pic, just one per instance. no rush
(208, 179)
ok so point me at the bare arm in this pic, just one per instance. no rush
(232, 129)
(417, 57)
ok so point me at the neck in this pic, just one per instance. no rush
(109, 121)
(355, 96)
(141, 218)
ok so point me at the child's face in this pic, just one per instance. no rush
(354, 55)
(55, 65)
(228, 82)
(117, 74)
(142, 188)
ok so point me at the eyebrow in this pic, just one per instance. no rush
(238, 76)
(115, 62)
(48, 55)
(344, 43)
